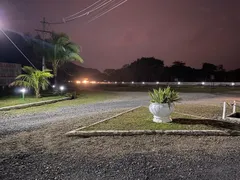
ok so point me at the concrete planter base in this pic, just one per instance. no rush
(161, 112)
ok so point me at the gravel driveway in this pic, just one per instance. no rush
(44, 152)
(125, 100)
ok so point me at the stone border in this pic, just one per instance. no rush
(153, 132)
(21, 106)
(78, 132)
(79, 129)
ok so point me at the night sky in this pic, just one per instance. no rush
(193, 31)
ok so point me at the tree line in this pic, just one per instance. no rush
(150, 69)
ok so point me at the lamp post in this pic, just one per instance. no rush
(23, 91)
(61, 88)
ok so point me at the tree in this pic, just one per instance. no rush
(58, 50)
(179, 63)
(143, 69)
(34, 78)
(209, 70)
(180, 72)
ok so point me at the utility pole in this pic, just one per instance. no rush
(43, 31)
(43, 36)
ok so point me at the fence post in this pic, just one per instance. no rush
(224, 110)
(234, 106)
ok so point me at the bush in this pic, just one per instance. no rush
(73, 95)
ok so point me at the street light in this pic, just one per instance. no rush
(23, 91)
(62, 88)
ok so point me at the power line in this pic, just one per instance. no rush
(115, 6)
(87, 13)
(82, 10)
(17, 48)
(98, 5)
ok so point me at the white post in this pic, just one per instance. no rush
(234, 106)
(224, 110)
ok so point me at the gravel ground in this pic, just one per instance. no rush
(44, 152)
(13, 123)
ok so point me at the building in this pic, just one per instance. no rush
(8, 72)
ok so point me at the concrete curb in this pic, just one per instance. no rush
(79, 129)
(153, 132)
(81, 133)
(21, 106)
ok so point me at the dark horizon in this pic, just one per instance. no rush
(190, 31)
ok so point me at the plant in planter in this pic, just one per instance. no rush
(162, 104)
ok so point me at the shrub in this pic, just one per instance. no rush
(165, 95)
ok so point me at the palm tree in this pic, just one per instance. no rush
(33, 78)
(63, 51)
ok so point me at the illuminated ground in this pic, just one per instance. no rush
(44, 152)
(35, 117)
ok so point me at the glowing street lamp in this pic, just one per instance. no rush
(61, 88)
(53, 86)
(203, 83)
(179, 83)
(233, 84)
(23, 91)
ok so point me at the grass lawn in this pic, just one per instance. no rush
(141, 119)
(15, 100)
(84, 97)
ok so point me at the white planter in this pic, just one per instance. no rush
(161, 112)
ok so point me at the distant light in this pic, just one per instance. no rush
(115, 82)
(85, 81)
(53, 86)
(203, 83)
(93, 82)
(62, 88)
(78, 82)
(132, 82)
(157, 82)
(233, 84)
(179, 83)
(23, 90)
(108, 82)
(143, 82)
(69, 81)
(123, 82)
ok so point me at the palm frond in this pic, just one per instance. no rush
(164, 95)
